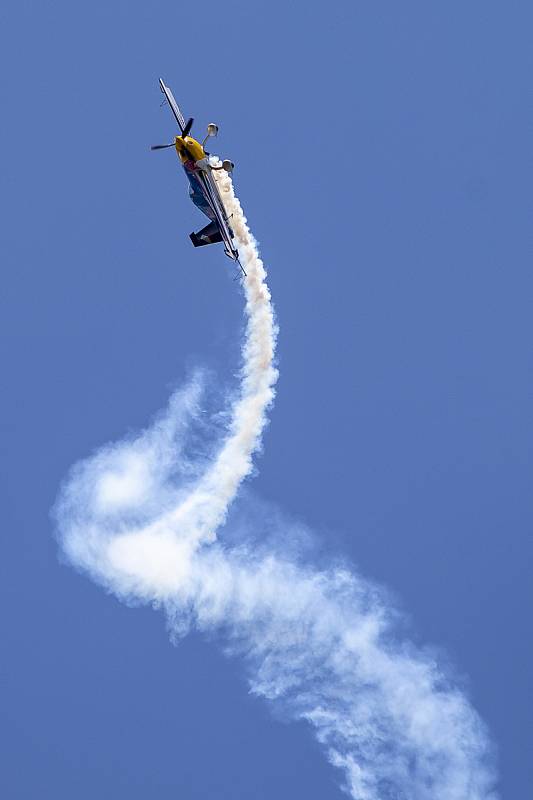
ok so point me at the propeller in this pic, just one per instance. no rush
(185, 132)
(187, 128)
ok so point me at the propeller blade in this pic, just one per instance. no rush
(188, 126)
(161, 146)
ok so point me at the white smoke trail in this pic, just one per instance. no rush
(141, 518)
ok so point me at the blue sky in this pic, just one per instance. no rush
(391, 210)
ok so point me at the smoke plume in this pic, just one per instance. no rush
(141, 518)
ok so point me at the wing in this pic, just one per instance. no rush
(173, 105)
(215, 201)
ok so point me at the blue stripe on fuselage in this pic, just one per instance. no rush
(196, 189)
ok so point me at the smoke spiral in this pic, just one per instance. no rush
(141, 518)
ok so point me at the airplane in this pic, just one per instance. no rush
(203, 189)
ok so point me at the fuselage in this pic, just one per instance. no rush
(190, 151)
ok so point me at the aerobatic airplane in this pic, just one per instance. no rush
(203, 187)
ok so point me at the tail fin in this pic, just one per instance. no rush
(208, 235)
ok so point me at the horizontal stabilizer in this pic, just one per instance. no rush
(208, 235)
